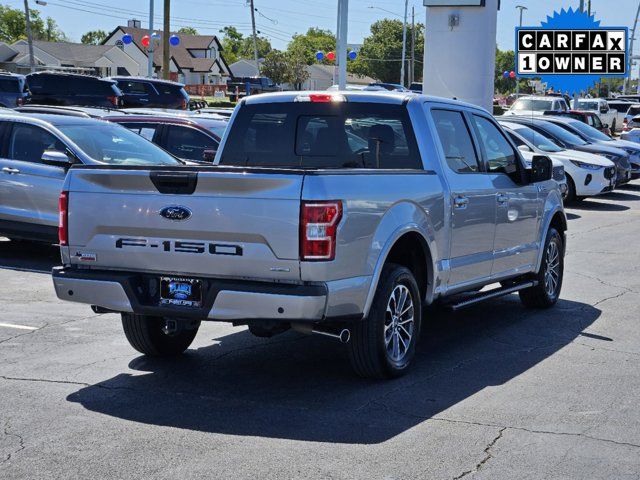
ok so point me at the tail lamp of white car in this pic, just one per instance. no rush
(319, 222)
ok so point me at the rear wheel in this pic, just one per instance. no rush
(147, 335)
(546, 293)
(383, 345)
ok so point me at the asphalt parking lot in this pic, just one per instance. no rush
(497, 392)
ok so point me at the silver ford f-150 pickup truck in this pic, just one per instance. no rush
(343, 214)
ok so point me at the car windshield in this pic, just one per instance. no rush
(115, 145)
(587, 105)
(590, 132)
(537, 139)
(532, 104)
(561, 134)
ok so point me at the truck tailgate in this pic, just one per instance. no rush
(197, 222)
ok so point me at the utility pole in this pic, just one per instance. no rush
(341, 46)
(412, 72)
(633, 36)
(521, 8)
(255, 36)
(582, 5)
(166, 53)
(589, 7)
(150, 49)
(404, 42)
(32, 61)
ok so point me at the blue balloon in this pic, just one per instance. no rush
(174, 40)
(319, 56)
(127, 39)
(353, 55)
(505, 74)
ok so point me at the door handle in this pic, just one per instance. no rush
(10, 171)
(460, 202)
(502, 199)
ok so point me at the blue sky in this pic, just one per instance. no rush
(279, 19)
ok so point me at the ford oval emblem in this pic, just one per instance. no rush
(175, 213)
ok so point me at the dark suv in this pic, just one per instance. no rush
(13, 90)
(53, 88)
(153, 93)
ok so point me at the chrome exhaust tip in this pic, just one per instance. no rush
(343, 336)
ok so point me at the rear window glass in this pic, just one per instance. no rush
(322, 135)
(11, 85)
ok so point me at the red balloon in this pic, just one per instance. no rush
(145, 41)
(331, 56)
(512, 74)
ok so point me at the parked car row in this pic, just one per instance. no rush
(69, 89)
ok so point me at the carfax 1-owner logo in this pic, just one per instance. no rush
(571, 51)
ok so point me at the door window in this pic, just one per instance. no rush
(28, 142)
(145, 130)
(188, 143)
(134, 88)
(500, 155)
(456, 141)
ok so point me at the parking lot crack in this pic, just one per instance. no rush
(488, 456)
(21, 445)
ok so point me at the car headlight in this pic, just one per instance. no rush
(586, 166)
(611, 156)
(632, 151)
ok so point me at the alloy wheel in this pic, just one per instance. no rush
(399, 323)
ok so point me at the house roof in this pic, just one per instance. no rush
(76, 54)
(180, 53)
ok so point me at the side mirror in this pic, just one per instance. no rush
(605, 125)
(541, 169)
(56, 158)
(209, 155)
(524, 148)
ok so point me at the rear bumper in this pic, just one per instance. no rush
(223, 300)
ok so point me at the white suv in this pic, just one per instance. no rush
(537, 105)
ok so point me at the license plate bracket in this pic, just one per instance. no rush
(181, 292)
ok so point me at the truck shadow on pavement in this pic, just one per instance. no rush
(28, 256)
(302, 388)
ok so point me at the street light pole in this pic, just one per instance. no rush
(341, 46)
(404, 42)
(633, 36)
(521, 8)
(166, 46)
(412, 72)
(32, 61)
(150, 49)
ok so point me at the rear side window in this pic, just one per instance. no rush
(322, 135)
(168, 89)
(136, 88)
(69, 85)
(146, 130)
(456, 141)
(188, 143)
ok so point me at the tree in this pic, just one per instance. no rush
(381, 54)
(188, 31)
(237, 46)
(285, 67)
(13, 26)
(306, 45)
(94, 37)
(506, 62)
(276, 66)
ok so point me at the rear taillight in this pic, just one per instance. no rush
(113, 99)
(63, 219)
(318, 228)
(184, 104)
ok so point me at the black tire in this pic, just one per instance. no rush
(369, 348)
(145, 334)
(545, 295)
(571, 191)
